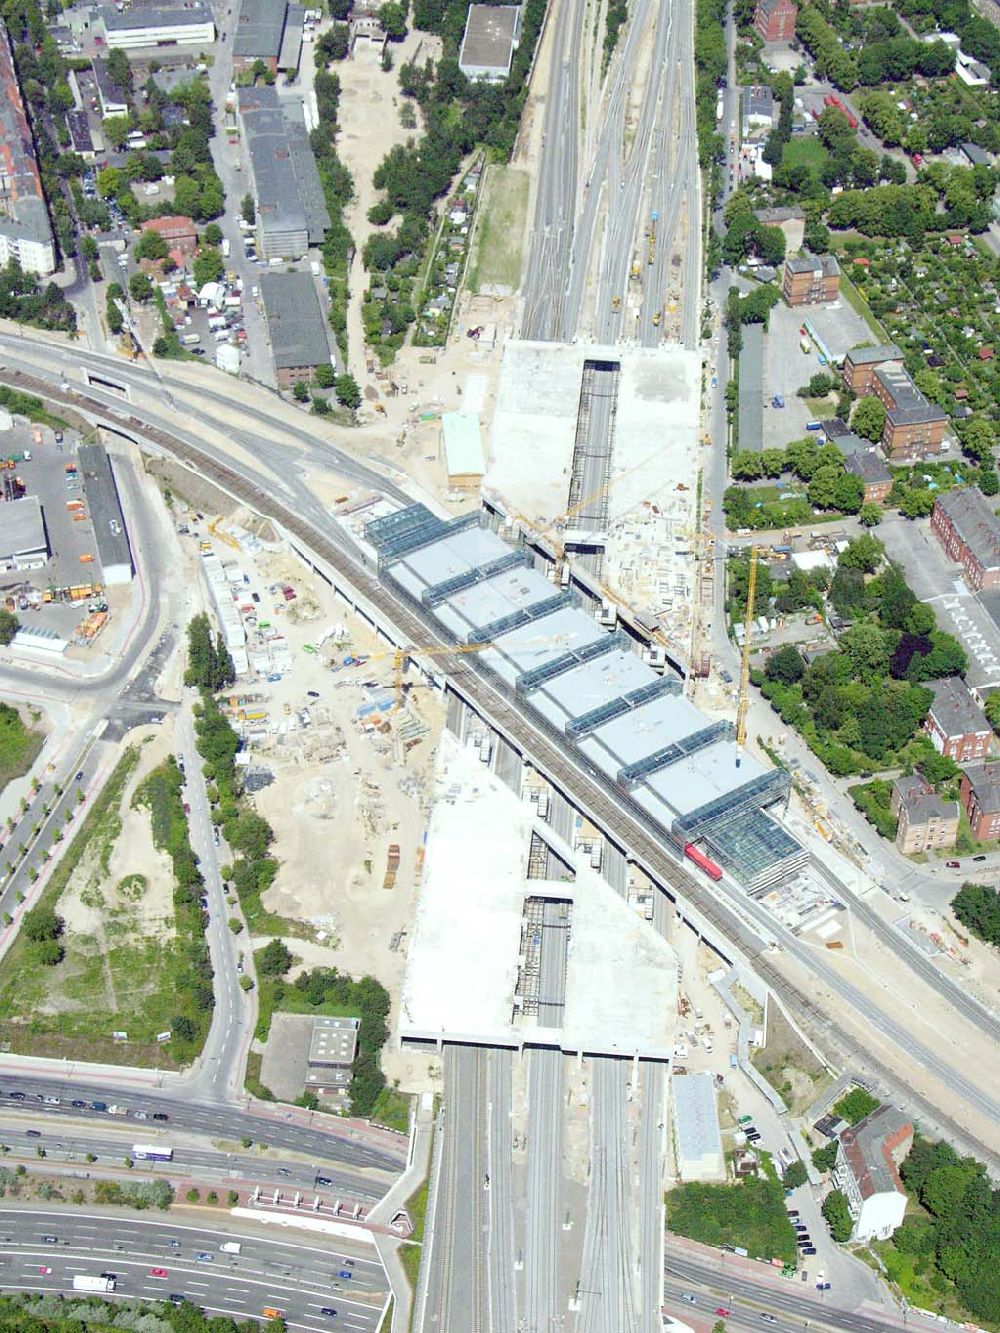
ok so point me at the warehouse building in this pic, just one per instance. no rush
(287, 191)
(492, 35)
(25, 227)
(295, 326)
(23, 541)
(680, 774)
(698, 1151)
(261, 35)
(106, 514)
(161, 25)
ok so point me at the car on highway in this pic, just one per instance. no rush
(79, 776)
(769, 1319)
(204, 1257)
(98, 1106)
(33, 1133)
(323, 1180)
(953, 865)
(141, 1115)
(78, 1102)
(51, 1101)
(329, 1311)
(723, 1312)
(313, 694)
(44, 1270)
(158, 1272)
(979, 858)
(792, 1212)
(691, 1300)
(17, 1096)
(160, 1115)
(346, 1274)
(177, 1298)
(49, 1240)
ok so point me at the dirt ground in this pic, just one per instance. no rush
(789, 1065)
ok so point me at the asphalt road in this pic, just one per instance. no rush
(543, 1189)
(71, 1142)
(295, 1277)
(324, 1146)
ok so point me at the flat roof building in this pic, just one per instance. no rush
(492, 35)
(23, 541)
(751, 395)
(866, 464)
(259, 32)
(463, 450)
(25, 227)
(295, 326)
(106, 514)
(144, 25)
(697, 1139)
(334, 1043)
(287, 191)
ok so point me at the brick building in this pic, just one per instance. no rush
(979, 792)
(955, 723)
(810, 280)
(969, 531)
(860, 364)
(867, 465)
(178, 232)
(775, 20)
(925, 820)
(914, 427)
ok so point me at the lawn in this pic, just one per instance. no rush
(497, 261)
(411, 1252)
(804, 150)
(19, 745)
(118, 978)
(750, 1214)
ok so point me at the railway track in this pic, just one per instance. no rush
(638, 836)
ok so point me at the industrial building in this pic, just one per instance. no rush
(681, 774)
(295, 326)
(25, 227)
(750, 405)
(271, 31)
(287, 191)
(106, 514)
(142, 25)
(698, 1151)
(492, 35)
(23, 541)
(867, 1171)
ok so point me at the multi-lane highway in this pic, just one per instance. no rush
(42, 1250)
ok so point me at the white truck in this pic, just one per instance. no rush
(230, 1247)
(105, 1283)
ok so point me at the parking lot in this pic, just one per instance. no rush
(787, 367)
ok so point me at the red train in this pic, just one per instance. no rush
(702, 861)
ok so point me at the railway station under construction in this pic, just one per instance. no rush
(592, 692)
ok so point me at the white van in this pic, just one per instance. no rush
(230, 1247)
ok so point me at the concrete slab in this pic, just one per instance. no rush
(462, 972)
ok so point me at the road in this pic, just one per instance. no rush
(277, 1128)
(744, 922)
(543, 1221)
(299, 1278)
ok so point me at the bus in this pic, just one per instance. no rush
(151, 1152)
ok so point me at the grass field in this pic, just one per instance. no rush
(804, 150)
(497, 261)
(122, 977)
(19, 745)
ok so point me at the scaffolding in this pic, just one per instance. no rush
(756, 850)
(632, 774)
(529, 681)
(524, 615)
(406, 531)
(578, 727)
(732, 805)
(440, 592)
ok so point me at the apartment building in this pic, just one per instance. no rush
(914, 427)
(860, 364)
(925, 820)
(810, 280)
(25, 226)
(979, 792)
(969, 531)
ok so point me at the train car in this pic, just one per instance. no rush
(703, 862)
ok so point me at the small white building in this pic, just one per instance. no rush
(143, 25)
(698, 1151)
(867, 1171)
(23, 542)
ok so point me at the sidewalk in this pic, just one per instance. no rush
(409, 1182)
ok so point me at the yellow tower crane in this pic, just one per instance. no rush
(400, 655)
(744, 697)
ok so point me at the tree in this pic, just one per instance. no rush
(993, 710)
(856, 1105)
(392, 16)
(151, 245)
(865, 553)
(183, 1028)
(825, 1158)
(208, 266)
(977, 907)
(247, 210)
(871, 514)
(795, 1175)
(212, 235)
(274, 959)
(325, 376)
(868, 418)
(785, 665)
(116, 130)
(42, 923)
(347, 391)
(868, 648)
(120, 71)
(837, 1212)
(917, 503)
(989, 481)
(300, 391)
(139, 287)
(9, 625)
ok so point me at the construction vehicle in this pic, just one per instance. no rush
(616, 303)
(222, 535)
(748, 624)
(656, 319)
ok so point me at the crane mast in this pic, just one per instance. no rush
(744, 697)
